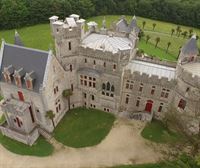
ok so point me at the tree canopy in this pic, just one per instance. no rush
(17, 13)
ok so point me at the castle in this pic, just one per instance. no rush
(102, 69)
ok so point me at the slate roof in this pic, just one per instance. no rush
(123, 26)
(152, 69)
(26, 58)
(191, 48)
(107, 43)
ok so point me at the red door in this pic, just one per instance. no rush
(21, 96)
(149, 105)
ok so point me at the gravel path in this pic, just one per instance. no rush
(123, 145)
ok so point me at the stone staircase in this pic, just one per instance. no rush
(143, 116)
(48, 136)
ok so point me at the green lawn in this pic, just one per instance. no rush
(151, 50)
(41, 148)
(156, 132)
(39, 36)
(83, 127)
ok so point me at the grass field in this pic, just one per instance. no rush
(156, 132)
(39, 36)
(83, 127)
(41, 148)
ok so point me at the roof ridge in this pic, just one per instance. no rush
(27, 48)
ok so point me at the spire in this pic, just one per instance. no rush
(17, 39)
(133, 25)
(104, 23)
(191, 48)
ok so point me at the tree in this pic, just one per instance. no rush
(184, 34)
(178, 28)
(198, 160)
(154, 26)
(50, 115)
(179, 33)
(179, 123)
(157, 41)
(172, 31)
(147, 38)
(168, 45)
(143, 24)
(141, 34)
(67, 94)
(190, 32)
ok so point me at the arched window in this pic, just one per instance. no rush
(108, 86)
(103, 86)
(112, 88)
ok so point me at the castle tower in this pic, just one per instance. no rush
(67, 34)
(189, 51)
(187, 90)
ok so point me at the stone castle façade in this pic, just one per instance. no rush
(103, 70)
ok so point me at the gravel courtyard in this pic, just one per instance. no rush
(123, 145)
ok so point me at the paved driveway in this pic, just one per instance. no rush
(123, 145)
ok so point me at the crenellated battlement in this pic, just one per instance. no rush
(188, 77)
(146, 78)
(100, 54)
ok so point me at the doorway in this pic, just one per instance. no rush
(149, 106)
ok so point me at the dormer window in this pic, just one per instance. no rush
(8, 71)
(18, 81)
(7, 77)
(29, 84)
(29, 78)
(18, 76)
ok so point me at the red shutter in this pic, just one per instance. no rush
(21, 96)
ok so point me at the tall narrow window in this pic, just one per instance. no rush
(160, 107)
(70, 45)
(72, 87)
(138, 102)
(127, 99)
(114, 67)
(104, 64)
(31, 113)
(141, 87)
(70, 67)
(85, 60)
(94, 62)
(92, 97)
(108, 86)
(153, 90)
(163, 93)
(167, 94)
